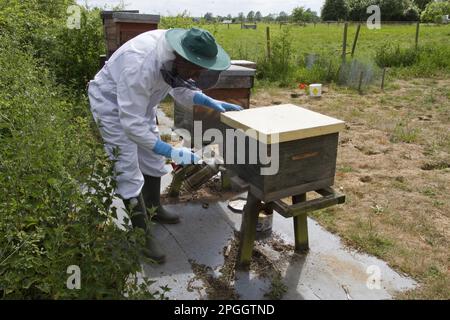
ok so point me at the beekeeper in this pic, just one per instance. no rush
(124, 97)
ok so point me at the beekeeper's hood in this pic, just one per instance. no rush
(198, 47)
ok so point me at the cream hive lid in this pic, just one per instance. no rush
(288, 121)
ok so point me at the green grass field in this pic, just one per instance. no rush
(292, 46)
(251, 44)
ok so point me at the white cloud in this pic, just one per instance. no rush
(217, 7)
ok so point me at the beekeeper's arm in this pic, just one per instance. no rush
(133, 96)
(188, 98)
(221, 106)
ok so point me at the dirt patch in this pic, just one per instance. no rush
(279, 245)
(216, 288)
(436, 165)
(265, 267)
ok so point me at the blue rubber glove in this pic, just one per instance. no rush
(181, 156)
(230, 106)
(204, 100)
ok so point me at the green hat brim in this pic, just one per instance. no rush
(220, 62)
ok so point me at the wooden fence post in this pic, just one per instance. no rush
(417, 34)
(356, 39)
(382, 79)
(268, 41)
(361, 76)
(344, 42)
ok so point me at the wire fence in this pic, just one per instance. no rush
(344, 52)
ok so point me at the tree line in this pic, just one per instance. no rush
(391, 10)
(346, 10)
(299, 14)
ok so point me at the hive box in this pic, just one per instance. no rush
(244, 63)
(234, 86)
(307, 144)
(121, 26)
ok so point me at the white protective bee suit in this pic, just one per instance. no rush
(124, 97)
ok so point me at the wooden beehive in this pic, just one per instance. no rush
(121, 26)
(234, 86)
(244, 63)
(307, 142)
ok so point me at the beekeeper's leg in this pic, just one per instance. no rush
(128, 177)
(129, 186)
(153, 168)
(139, 219)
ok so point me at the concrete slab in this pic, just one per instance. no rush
(332, 271)
(329, 271)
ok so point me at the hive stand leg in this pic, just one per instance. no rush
(226, 182)
(300, 227)
(248, 230)
(175, 186)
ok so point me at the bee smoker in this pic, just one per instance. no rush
(191, 177)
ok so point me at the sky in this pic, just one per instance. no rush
(198, 8)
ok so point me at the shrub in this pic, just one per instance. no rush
(358, 9)
(391, 10)
(72, 55)
(179, 21)
(434, 11)
(279, 68)
(55, 190)
(411, 13)
(334, 10)
(317, 68)
(425, 61)
(395, 56)
(403, 133)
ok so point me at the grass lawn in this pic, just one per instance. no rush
(251, 44)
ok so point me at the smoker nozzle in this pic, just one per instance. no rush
(210, 167)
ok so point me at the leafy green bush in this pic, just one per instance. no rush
(317, 69)
(48, 221)
(391, 10)
(434, 11)
(424, 61)
(56, 189)
(74, 55)
(279, 67)
(403, 133)
(71, 54)
(394, 56)
(334, 10)
(182, 20)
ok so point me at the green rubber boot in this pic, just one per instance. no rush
(139, 219)
(151, 193)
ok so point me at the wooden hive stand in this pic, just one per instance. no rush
(303, 146)
(298, 211)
